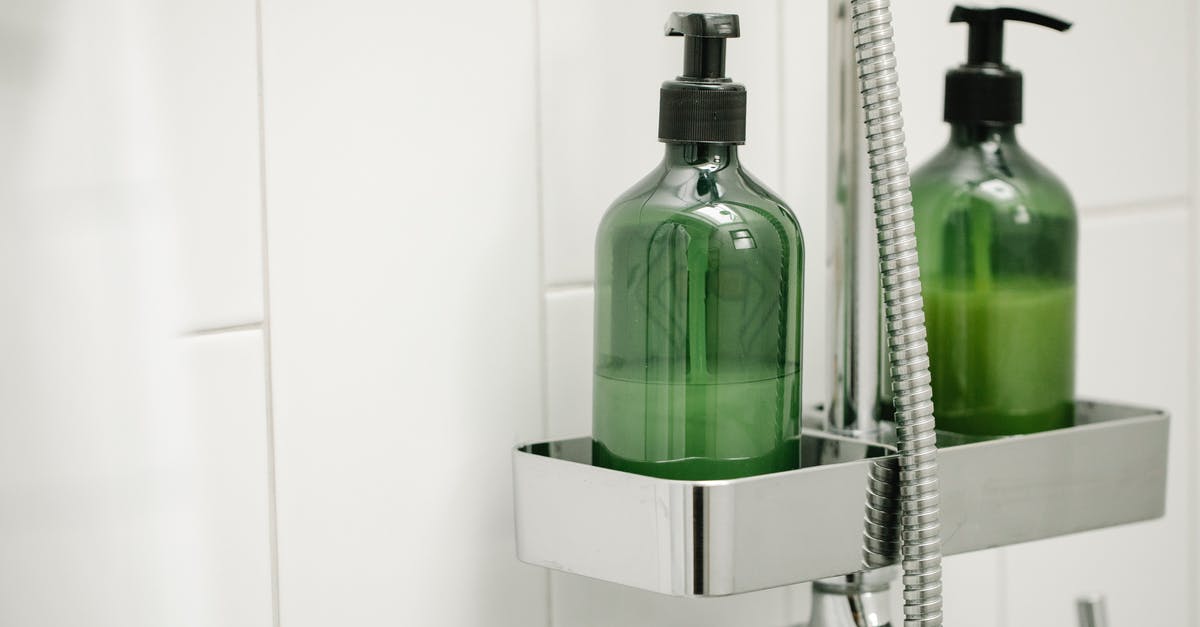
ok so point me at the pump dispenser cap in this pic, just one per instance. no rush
(984, 89)
(702, 104)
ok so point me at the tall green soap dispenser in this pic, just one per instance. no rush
(698, 293)
(996, 235)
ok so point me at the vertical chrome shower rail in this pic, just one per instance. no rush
(852, 263)
(852, 258)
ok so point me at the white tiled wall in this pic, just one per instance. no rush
(405, 263)
(208, 90)
(134, 474)
(186, 439)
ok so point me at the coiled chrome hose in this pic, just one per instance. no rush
(918, 525)
(881, 543)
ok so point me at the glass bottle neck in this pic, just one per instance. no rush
(695, 154)
(967, 134)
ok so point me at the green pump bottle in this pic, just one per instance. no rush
(698, 293)
(996, 234)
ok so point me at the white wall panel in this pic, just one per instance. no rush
(224, 525)
(133, 489)
(405, 300)
(138, 498)
(202, 60)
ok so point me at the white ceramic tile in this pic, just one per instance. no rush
(105, 99)
(201, 57)
(1133, 320)
(229, 433)
(86, 493)
(405, 308)
(569, 333)
(132, 464)
(972, 587)
(582, 602)
(601, 67)
(121, 503)
(1105, 103)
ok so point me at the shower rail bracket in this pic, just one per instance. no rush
(716, 538)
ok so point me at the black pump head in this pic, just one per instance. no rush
(984, 89)
(702, 104)
(704, 36)
(986, 30)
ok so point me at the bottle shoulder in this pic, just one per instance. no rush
(701, 196)
(1007, 178)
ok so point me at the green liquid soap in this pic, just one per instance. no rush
(697, 431)
(998, 357)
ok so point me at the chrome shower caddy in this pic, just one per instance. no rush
(715, 538)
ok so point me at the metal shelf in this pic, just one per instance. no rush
(715, 538)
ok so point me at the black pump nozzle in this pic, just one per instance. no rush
(986, 30)
(702, 104)
(984, 89)
(704, 36)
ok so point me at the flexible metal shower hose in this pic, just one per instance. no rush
(917, 493)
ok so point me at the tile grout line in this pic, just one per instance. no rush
(1133, 207)
(562, 288)
(232, 328)
(268, 380)
(543, 313)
